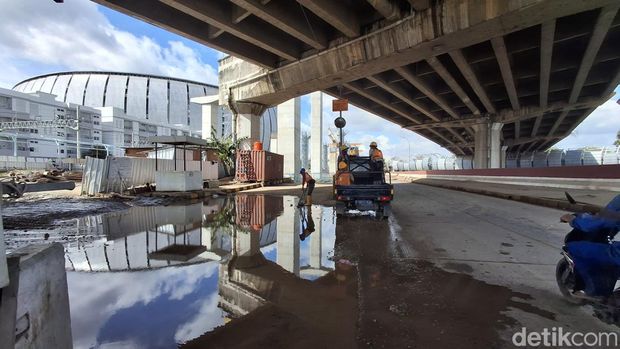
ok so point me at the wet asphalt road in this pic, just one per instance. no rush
(495, 262)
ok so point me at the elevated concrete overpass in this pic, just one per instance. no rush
(473, 76)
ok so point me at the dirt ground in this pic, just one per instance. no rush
(322, 195)
(410, 303)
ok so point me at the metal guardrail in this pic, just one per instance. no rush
(552, 158)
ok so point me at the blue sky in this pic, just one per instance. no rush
(38, 37)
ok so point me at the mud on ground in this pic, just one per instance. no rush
(42, 214)
(322, 195)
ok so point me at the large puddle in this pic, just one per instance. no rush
(158, 276)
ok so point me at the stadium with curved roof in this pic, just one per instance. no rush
(155, 98)
(158, 99)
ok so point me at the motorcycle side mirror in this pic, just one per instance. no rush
(569, 198)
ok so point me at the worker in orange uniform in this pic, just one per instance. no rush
(376, 157)
(307, 178)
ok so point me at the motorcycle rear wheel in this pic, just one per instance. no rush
(565, 278)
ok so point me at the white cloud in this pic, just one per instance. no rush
(598, 129)
(207, 316)
(92, 307)
(42, 36)
(364, 127)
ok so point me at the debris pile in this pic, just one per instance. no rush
(41, 177)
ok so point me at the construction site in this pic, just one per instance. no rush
(364, 173)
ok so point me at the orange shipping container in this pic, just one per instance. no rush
(259, 166)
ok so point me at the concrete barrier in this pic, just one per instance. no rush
(533, 200)
(604, 177)
(597, 171)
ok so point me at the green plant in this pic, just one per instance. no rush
(617, 142)
(224, 219)
(226, 149)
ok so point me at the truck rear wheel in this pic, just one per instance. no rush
(384, 211)
(340, 209)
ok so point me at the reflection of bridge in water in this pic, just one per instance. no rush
(146, 237)
(283, 288)
(268, 254)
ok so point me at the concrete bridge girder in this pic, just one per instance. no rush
(367, 59)
(425, 62)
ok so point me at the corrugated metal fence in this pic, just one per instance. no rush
(8, 163)
(116, 174)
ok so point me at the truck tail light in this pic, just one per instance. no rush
(384, 198)
(341, 197)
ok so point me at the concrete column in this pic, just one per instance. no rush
(289, 129)
(503, 156)
(495, 145)
(481, 146)
(210, 117)
(248, 244)
(316, 136)
(248, 119)
(274, 145)
(315, 240)
(248, 127)
(487, 151)
(287, 237)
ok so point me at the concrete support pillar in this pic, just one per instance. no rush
(495, 145)
(248, 119)
(316, 136)
(210, 119)
(289, 137)
(248, 244)
(503, 157)
(487, 151)
(481, 145)
(287, 237)
(315, 240)
(248, 127)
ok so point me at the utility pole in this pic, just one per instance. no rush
(408, 142)
(77, 132)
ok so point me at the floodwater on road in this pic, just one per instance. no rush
(162, 276)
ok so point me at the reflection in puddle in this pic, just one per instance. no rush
(152, 277)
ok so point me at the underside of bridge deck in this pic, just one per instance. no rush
(436, 67)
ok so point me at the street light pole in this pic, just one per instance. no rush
(77, 131)
(408, 142)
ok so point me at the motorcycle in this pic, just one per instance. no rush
(568, 280)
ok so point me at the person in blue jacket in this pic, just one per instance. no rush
(597, 262)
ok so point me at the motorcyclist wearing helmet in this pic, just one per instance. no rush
(597, 263)
(306, 178)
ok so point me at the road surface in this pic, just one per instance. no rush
(453, 269)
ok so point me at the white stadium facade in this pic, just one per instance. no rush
(116, 111)
(155, 98)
